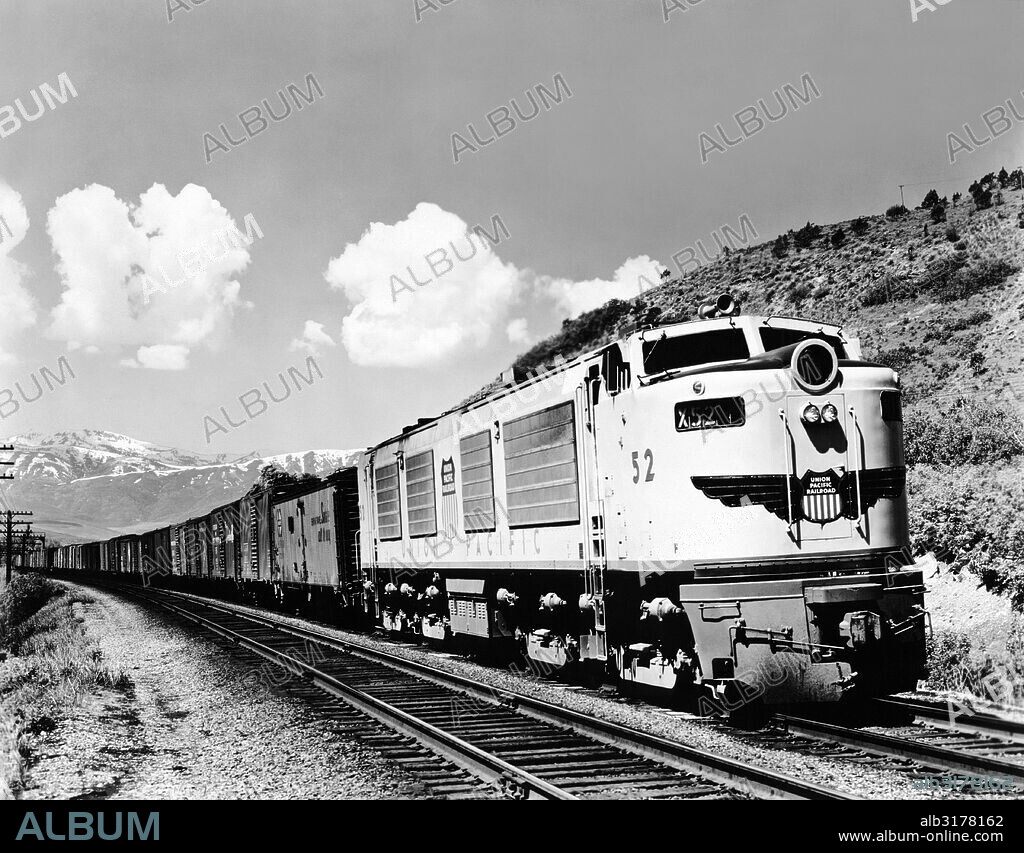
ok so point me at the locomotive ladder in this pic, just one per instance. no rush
(595, 544)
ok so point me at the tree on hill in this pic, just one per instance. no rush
(1017, 179)
(956, 198)
(272, 477)
(803, 238)
(930, 200)
(938, 213)
(838, 238)
(859, 225)
(982, 196)
(780, 248)
(1003, 178)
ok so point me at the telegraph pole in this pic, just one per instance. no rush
(11, 514)
(6, 448)
(902, 202)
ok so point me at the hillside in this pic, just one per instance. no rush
(91, 484)
(926, 300)
(941, 302)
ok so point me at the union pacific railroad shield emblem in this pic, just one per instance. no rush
(822, 501)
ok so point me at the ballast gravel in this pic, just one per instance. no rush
(194, 724)
(861, 777)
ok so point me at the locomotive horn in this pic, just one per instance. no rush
(723, 306)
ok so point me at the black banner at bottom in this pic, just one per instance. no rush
(969, 823)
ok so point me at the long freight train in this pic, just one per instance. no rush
(714, 506)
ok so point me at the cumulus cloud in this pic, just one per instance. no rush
(159, 357)
(429, 286)
(157, 276)
(17, 307)
(518, 331)
(421, 289)
(634, 277)
(313, 338)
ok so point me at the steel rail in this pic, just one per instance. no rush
(483, 765)
(957, 717)
(757, 781)
(942, 757)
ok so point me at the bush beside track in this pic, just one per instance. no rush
(50, 664)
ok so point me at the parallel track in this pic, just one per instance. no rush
(951, 752)
(958, 718)
(518, 745)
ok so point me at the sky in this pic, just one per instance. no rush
(185, 271)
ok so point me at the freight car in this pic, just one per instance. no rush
(715, 506)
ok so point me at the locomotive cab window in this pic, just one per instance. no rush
(775, 337)
(682, 351)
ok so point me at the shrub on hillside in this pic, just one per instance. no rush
(938, 214)
(938, 273)
(973, 319)
(780, 248)
(970, 518)
(889, 288)
(838, 238)
(899, 357)
(930, 200)
(896, 211)
(949, 653)
(859, 225)
(803, 238)
(965, 432)
(799, 292)
(952, 234)
(975, 278)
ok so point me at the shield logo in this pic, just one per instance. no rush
(821, 500)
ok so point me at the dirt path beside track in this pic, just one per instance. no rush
(192, 724)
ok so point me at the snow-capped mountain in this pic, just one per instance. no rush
(92, 483)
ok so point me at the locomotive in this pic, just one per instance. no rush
(715, 507)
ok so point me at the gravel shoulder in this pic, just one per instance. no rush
(194, 724)
(855, 777)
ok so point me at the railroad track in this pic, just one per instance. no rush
(506, 743)
(956, 717)
(917, 749)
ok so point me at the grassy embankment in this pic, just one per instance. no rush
(49, 665)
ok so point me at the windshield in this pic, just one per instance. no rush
(682, 351)
(773, 337)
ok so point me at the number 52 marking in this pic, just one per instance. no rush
(649, 476)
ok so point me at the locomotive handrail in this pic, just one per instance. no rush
(860, 465)
(789, 467)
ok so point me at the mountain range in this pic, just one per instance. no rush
(88, 484)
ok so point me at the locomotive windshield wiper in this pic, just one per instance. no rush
(650, 352)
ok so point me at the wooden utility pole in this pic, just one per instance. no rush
(6, 448)
(11, 514)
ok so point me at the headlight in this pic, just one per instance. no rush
(811, 414)
(829, 413)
